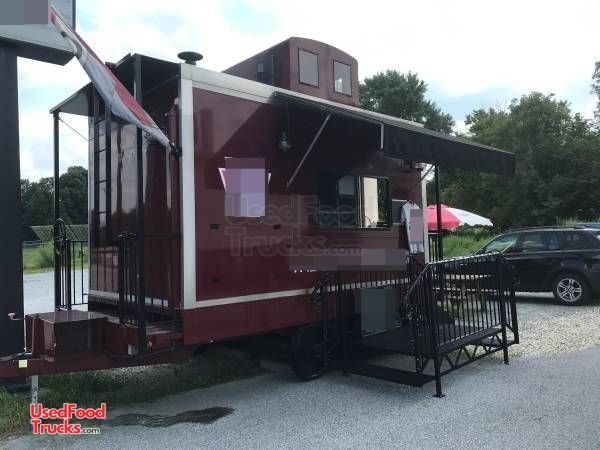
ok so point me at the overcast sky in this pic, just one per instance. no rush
(472, 53)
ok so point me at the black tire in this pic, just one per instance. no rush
(571, 289)
(306, 349)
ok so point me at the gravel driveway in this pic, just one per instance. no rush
(547, 328)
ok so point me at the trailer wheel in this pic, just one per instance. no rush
(306, 349)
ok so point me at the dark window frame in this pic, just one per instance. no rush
(300, 70)
(359, 211)
(349, 80)
(271, 59)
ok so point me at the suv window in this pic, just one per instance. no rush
(575, 240)
(533, 242)
(502, 244)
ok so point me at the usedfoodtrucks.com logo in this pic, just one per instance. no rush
(60, 419)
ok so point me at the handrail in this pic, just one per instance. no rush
(462, 296)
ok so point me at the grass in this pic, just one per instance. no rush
(465, 241)
(119, 387)
(462, 245)
(40, 259)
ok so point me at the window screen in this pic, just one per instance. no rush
(309, 68)
(342, 80)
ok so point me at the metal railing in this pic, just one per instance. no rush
(435, 242)
(458, 303)
(150, 295)
(450, 312)
(70, 274)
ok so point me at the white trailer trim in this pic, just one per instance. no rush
(188, 193)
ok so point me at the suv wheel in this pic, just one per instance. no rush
(570, 289)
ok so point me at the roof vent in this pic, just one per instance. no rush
(190, 57)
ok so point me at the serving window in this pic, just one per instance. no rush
(353, 202)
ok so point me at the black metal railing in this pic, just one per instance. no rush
(461, 302)
(151, 295)
(450, 312)
(462, 297)
(335, 294)
(71, 260)
(435, 244)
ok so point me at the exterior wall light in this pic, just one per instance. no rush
(284, 145)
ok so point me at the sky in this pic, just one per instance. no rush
(471, 53)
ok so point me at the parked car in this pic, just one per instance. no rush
(565, 261)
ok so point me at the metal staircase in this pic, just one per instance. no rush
(446, 314)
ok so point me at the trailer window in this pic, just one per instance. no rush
(353, 202)
(341, 78)
(264, 71)
(308, 65)
(375, 211)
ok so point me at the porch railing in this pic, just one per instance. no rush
(70, 271)
(150, 296)
(460, 298)
(449, 312)
(435, 242)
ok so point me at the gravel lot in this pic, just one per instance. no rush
(547, 328)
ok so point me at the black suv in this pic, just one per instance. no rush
(565, 261)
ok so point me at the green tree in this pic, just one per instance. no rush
(403, 95)
(37, 201)
(558, 165)
(74, 195)
(596, 90)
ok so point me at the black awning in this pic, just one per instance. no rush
(411, 141)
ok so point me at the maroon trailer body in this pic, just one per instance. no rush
(170, 266)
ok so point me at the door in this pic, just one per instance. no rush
(536, 254)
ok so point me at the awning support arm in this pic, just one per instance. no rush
(310, 147)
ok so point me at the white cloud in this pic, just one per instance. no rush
(463, 47)
(460, 127)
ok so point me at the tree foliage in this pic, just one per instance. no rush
(74, 195)
(403, 95)
(558, 165)
(37, 199)
(596, 90)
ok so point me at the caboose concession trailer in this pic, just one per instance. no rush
(279, 210)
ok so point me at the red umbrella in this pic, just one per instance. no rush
(453, 218)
